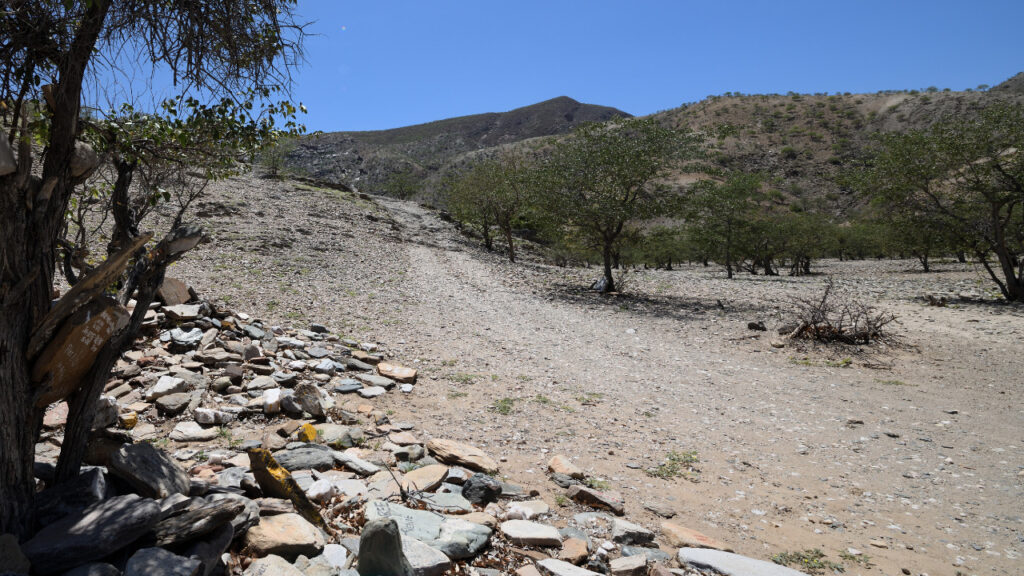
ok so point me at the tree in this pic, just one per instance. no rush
(231, 50)
(966, 174)
(603, 176)
(720, 214)
(493, 192)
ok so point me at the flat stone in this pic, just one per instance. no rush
(652, 554)
(526, 533)
(285, 535)
(160, 562)
(210, 548)
(446, 503)
(337, 436)
(425, 478)
(74, 495)
(309, 398)
(261, 383)
(148, 470)
(173, 404)
(355, 464)
(403, 438)
(372, 391)
(461, 539)
(166, 385)
(527, 509)
(91, 534)
(624, 532)
(308, 457)
(555, 567)
(182, 312)
(272, 565)
(596, 499)
(629, 566)
(424, 559)
(353, 364)
(347, 386)
(196, 522)
(192, 432)
(247, 518)
(574, 551)
(212, 417)
(562, 465)
(419, 524)
(683, 537)
(173, 292)
(729, 564)
(402, 374)
(375, 380)
(452, 452)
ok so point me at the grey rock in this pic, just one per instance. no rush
(192, 432)
(652, 554)
(325, 366)
(447, 503)
(410, 453)
(559, 568)
(160, 562)
(247, 518)
(372, 391)
(423, 559)
(381, 551)
(308, 457)
(91, 534)
(353, 364)
(261, 383)
(309, 398)
(211, 417)
(148, 470)
(74, 495)
(347, 386)
(106, 412)
(209, 548)
(199, 521)
(94, 569)
(730, 564)
(357, 465)
(183, 340)
(164, 386)
(481, 489)
(628, 566)
(525, 532)
(406, 388)
(272, 565)
(232, 477)
(12, 560)
(173, 404)
(253, 332)
(419, 524)
(460, 539)
(285, 378)
(376, 380)
(624, 532)
(563, 480)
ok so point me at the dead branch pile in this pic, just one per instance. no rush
(836, 317)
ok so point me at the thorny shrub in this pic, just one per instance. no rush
(838, 317)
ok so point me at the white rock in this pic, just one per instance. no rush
(164, 386)
(212, 417)
(531, 533)
(322, 491)
(272, 401)
(192, 432)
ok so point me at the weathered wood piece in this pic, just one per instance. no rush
(71, 352)
(90, 286)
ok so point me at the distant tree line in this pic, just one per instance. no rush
(603, 195)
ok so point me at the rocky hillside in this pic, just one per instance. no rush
(800, 141)
(365, 160)
(803, 141)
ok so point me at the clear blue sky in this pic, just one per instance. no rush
(378, 64)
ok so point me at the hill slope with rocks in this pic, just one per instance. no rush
(364, 160)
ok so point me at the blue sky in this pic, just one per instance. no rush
(377, 64)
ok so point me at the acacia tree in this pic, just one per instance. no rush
(603, 176)
(493, 192)
(217, 48)
(720, 213)
(966, 174)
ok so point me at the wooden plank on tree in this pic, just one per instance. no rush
(88, 288)
(72, 351)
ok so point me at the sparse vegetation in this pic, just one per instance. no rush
(676, 464)
(811, 560)
(503, 406)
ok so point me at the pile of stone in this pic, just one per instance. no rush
(226, 446)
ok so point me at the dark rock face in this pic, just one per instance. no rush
(150, 471)
(75, 495)
(380, 550)
(481, 489)
(91, 534)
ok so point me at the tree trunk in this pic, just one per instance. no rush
(924, 262)
(607, 255)
(961, 257)
(511, 245)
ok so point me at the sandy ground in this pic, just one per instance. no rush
(911, 452)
